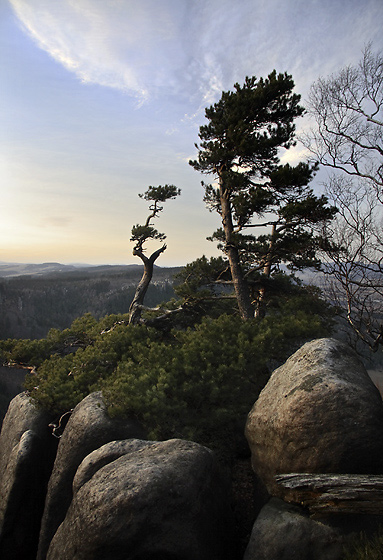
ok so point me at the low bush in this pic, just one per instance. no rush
(195, 384)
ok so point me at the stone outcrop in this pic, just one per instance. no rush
(319, 413)
(283, 532)
(147, 500)
(113, 495)
(88, 428)
(26, 457)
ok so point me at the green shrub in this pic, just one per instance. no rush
(25, 352)
(33, 352)
(64, 378)
(196, 387)
(197, 384)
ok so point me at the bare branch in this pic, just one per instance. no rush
(348, 138)
(348, 110)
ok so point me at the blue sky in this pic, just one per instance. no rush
(101, 98)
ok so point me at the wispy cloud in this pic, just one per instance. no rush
(187, 48)
(76, 156)
(115, 44)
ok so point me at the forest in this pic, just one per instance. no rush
(30, 305)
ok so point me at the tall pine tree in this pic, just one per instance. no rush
(239, 147)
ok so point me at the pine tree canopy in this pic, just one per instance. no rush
(240, 146)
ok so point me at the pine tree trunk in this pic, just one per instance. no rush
(139, 296)
(135, 309)
(260, 310)
(241, 287)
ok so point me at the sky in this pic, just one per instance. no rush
(99, 99)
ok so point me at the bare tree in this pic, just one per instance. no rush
(348, 109)
(353, 257)
(348, 140)
(140, 235)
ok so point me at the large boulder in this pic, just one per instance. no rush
(282, 531)
(88, 428)
(22, 415)
(27, 451)
(147, 500)
(319, 413)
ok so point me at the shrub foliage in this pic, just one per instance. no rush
(197, 383)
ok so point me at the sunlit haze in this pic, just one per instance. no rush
(100, 99)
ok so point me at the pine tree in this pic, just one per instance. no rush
(140, 235)
(240, 147)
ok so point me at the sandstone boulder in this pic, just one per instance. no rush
(147, 500)
(319, 413)
(282, 532)
(22, 415)
(26, 457)
(88, 428)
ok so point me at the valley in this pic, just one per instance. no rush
(36, 298)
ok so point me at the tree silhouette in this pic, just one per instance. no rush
(240, 147)
(143, 233)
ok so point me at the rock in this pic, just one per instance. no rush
(88, 428)
(22, 415)
(282, 531)
(103, 456)
(147, 500)
(319, 413)
(27, 451)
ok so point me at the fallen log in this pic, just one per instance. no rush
(334, 493)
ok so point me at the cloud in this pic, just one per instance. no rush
(79, 35)
(194, 49)
(119, 44)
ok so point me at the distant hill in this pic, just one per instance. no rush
(9, 270)
(37, 297)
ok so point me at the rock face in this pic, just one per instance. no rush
(319, 413)
(283, 531)
(88, 429)
(147, 500)
(26, 457)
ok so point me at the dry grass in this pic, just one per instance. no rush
(364, 547)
